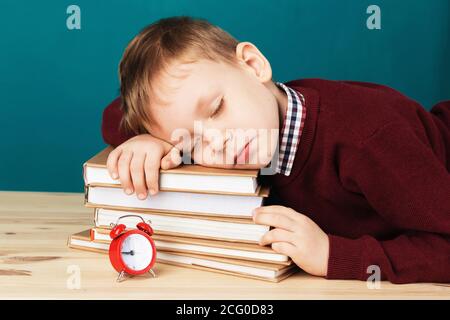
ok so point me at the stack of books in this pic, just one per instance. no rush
(202, 218)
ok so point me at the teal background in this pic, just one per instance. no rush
(55, 82)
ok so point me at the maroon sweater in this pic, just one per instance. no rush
(372, 170)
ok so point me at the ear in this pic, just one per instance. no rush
(250, 57)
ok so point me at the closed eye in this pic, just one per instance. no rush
(217, 109)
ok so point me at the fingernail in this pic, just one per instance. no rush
(141, 196)
(128, 191)
(253, 212)
(152, 191)
(115, 175)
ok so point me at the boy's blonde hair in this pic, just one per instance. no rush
(184, 39)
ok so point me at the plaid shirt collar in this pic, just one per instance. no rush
(292, 129)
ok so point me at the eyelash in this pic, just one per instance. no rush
(218, 109)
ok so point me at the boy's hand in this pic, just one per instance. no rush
(137, 161)
(296, 236)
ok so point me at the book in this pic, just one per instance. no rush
(197, 203)
(234, 250)
(242, 268)
(216, 228)
(184, 177)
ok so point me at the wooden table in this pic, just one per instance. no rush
(35, 262)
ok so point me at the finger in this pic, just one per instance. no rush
(111, 163)
(166, 146)
(137, 175)
(124, 171)
(274, 208)
(151, 168)
(285, 248)
(288, 212)
(276, 235)
(276, 220)
(171, 160)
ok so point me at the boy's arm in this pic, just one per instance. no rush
(111, 132)
(409, 187)
(136, 159)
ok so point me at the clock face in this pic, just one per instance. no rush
(136, 252)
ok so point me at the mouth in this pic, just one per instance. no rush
(243, 154)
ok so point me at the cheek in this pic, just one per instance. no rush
(267, 143)
(206, 157)
(263, 111)
(253, 114)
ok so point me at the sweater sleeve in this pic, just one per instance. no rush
(112, 133)
(409, 187)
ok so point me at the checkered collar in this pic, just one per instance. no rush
(292, 129)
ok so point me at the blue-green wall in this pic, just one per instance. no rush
(54, 82)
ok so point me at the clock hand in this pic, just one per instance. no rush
(133, 252)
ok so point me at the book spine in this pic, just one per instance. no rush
(84, 174)
(96, 217)
(86, 194)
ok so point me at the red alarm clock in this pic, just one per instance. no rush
(132, 252)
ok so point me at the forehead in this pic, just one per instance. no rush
(178, 79)
(176, 91)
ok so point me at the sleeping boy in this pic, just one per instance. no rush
(359, 173)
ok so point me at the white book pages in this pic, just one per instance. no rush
(187, 260)
(203, 203)
(225, 252)
(195, 227)
(193, 182)
(260, 272)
